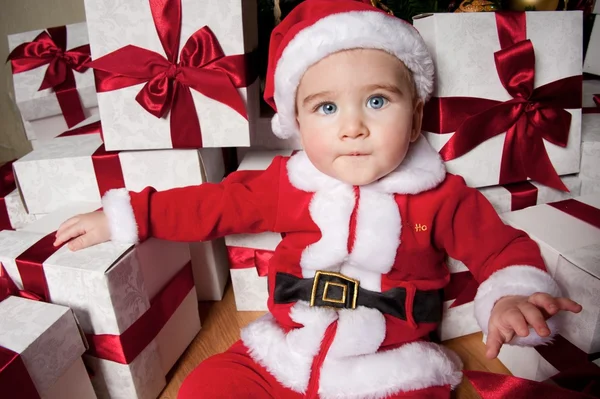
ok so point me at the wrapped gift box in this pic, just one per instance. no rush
(40, 109)
(42, 347)
(127, 126)
(75, 168)
(119, 294)
(462, 46)
(50, 131)
(590, 137)
(571, 248)
(518, 195)
(591, 63)
(12, 212)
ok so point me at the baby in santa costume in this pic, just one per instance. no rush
(369, 215)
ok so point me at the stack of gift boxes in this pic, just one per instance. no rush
(541, 145)
(141, 94)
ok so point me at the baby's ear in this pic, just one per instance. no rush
(417, 121)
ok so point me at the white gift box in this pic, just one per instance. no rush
(63, 171)
(463, 45)
(591, 64)
(501, 199)
(116, 24)
(47, 130)
(590, 140)
(40, 110)
(49, 343)
(110, 287)
(571, 249)
(17, 214)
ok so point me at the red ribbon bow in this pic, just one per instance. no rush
(50, 47)
(530, 117)
(7, 186)
(247, 258)
(202, 66)
(9, 288)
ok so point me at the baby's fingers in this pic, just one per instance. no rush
(67, 232)
(552, 305)
(83, 241)
(493, 343)
(535, 318)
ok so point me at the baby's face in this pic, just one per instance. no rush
(357, 115)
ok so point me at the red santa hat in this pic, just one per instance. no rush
(317, 28)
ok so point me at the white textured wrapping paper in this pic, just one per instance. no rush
(41, 132)
(17, 214)
(571, 250)
(462, 47)
(591, 63)
(34, 104)
(109, 298)
(48, 340)
(590, 141)
(62, 171)
(116, 23)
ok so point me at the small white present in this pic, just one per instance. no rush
(41, 347)
(210, 98)
(570, 246)
(52, 60)
(475, 100)
(77, 168)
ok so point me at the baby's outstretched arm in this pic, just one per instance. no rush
(84, 231)
(513, 315)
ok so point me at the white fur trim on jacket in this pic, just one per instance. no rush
(412, 366)
(121, 220)
(345, 31)
(515, 280)
(421, 170)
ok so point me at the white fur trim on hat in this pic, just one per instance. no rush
(346, 31)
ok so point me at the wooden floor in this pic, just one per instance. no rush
(221, 325)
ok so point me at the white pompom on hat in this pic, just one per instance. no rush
(317, 28)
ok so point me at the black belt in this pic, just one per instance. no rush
(338, 291)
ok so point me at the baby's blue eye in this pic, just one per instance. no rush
(327, 108)
(376, 102)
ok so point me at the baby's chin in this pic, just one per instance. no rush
(357, 177)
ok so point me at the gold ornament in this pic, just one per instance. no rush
(478, 6)
(532, 5)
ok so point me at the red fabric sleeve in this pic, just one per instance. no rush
(245, 202)
(469, 229)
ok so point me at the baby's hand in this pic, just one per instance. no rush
(514, 314)
(84, 231)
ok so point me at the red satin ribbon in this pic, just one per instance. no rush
(522, 195)
(9, 288)
(529, 118)
(126, 347)
(107, 165)
(498, 386)
(7, 186)
(15, 381)
(50, 47)
(462, 288)
(31, 269)
(202, 66)
(579, 210)
(247, 258)
(593, 110)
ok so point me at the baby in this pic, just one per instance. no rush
(369, 215)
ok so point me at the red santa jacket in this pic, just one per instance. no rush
(395, 232)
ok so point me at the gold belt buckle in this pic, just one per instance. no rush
(326, 282)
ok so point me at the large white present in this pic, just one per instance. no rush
(215, 112)
(41, 347)
(77, 168)
(571, 248)
(473, 107)
(590, 138)
(137, 306)
(57, 107)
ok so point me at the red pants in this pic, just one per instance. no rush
(235, 375)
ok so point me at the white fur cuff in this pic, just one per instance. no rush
(515, 280)
(121, 220)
